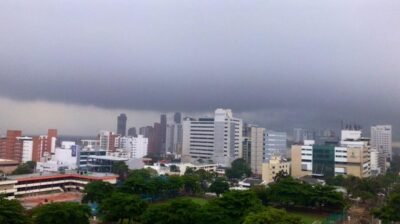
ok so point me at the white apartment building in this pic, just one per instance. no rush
(214, 140)
(27, 148)
(133, 147)
(381, 139)
(108, 141)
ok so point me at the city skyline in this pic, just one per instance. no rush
(280, 65)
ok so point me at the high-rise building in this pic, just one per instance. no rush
(169, 142)
(256, 149)
(27, 148)
(214, 140)
(121, 125)
(246, 143)
(275, 144)
(381, 139)
(132, 132)
(157, 141)
(300, 134)
(177, 118)
(163, 133)
(10, 146)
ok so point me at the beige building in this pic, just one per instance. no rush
(275, 165)
(350, 157)
(256, 149)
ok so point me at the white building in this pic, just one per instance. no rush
(374, 159)
(27, 148)
(108, 141)
(63, 158)
(381, 139)
(213, 140)
(133, 147)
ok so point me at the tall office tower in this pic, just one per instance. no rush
(177, 118)
(121, 125)
(146, 131)
(275, 144)
(108, 141)
(214, 140)
(132, 132)
(300, 134)
(163, 133)
(177, 140)
(256, 149)
(10, 146)
(169, 142)
(246, 143)
(381, 139)
(155, 143)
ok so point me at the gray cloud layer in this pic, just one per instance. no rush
(304, 63)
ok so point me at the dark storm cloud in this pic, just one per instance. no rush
(305, 60)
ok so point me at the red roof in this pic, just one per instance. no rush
(63, 176)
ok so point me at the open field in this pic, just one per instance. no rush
(33, 201)
(310, 218)
(200, 201)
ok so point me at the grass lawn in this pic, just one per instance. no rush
(310, 218)
(200, 201)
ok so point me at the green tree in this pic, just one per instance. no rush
(272, 216)
(62, 213)
(232, 207)
(219, 186)
(121, 206)
(327, 197)
(391, 211)
(239, 169)
(191, 184)
(136, 182)
(280, 175)
(25, 168)
(262, 193)
(289, 192)
(179, 211)
(12, 212)
(97, 191)
(174, 185)
(121, 169)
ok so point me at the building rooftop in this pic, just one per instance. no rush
(113, 158)
(8, 162)
(43, 175)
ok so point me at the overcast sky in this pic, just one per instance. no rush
(75, 65)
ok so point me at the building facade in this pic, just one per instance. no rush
(214, 140)
(349, 157)
(121, 124)
(257, 149)
(274, 166)
(381, 139)
(275, 144)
